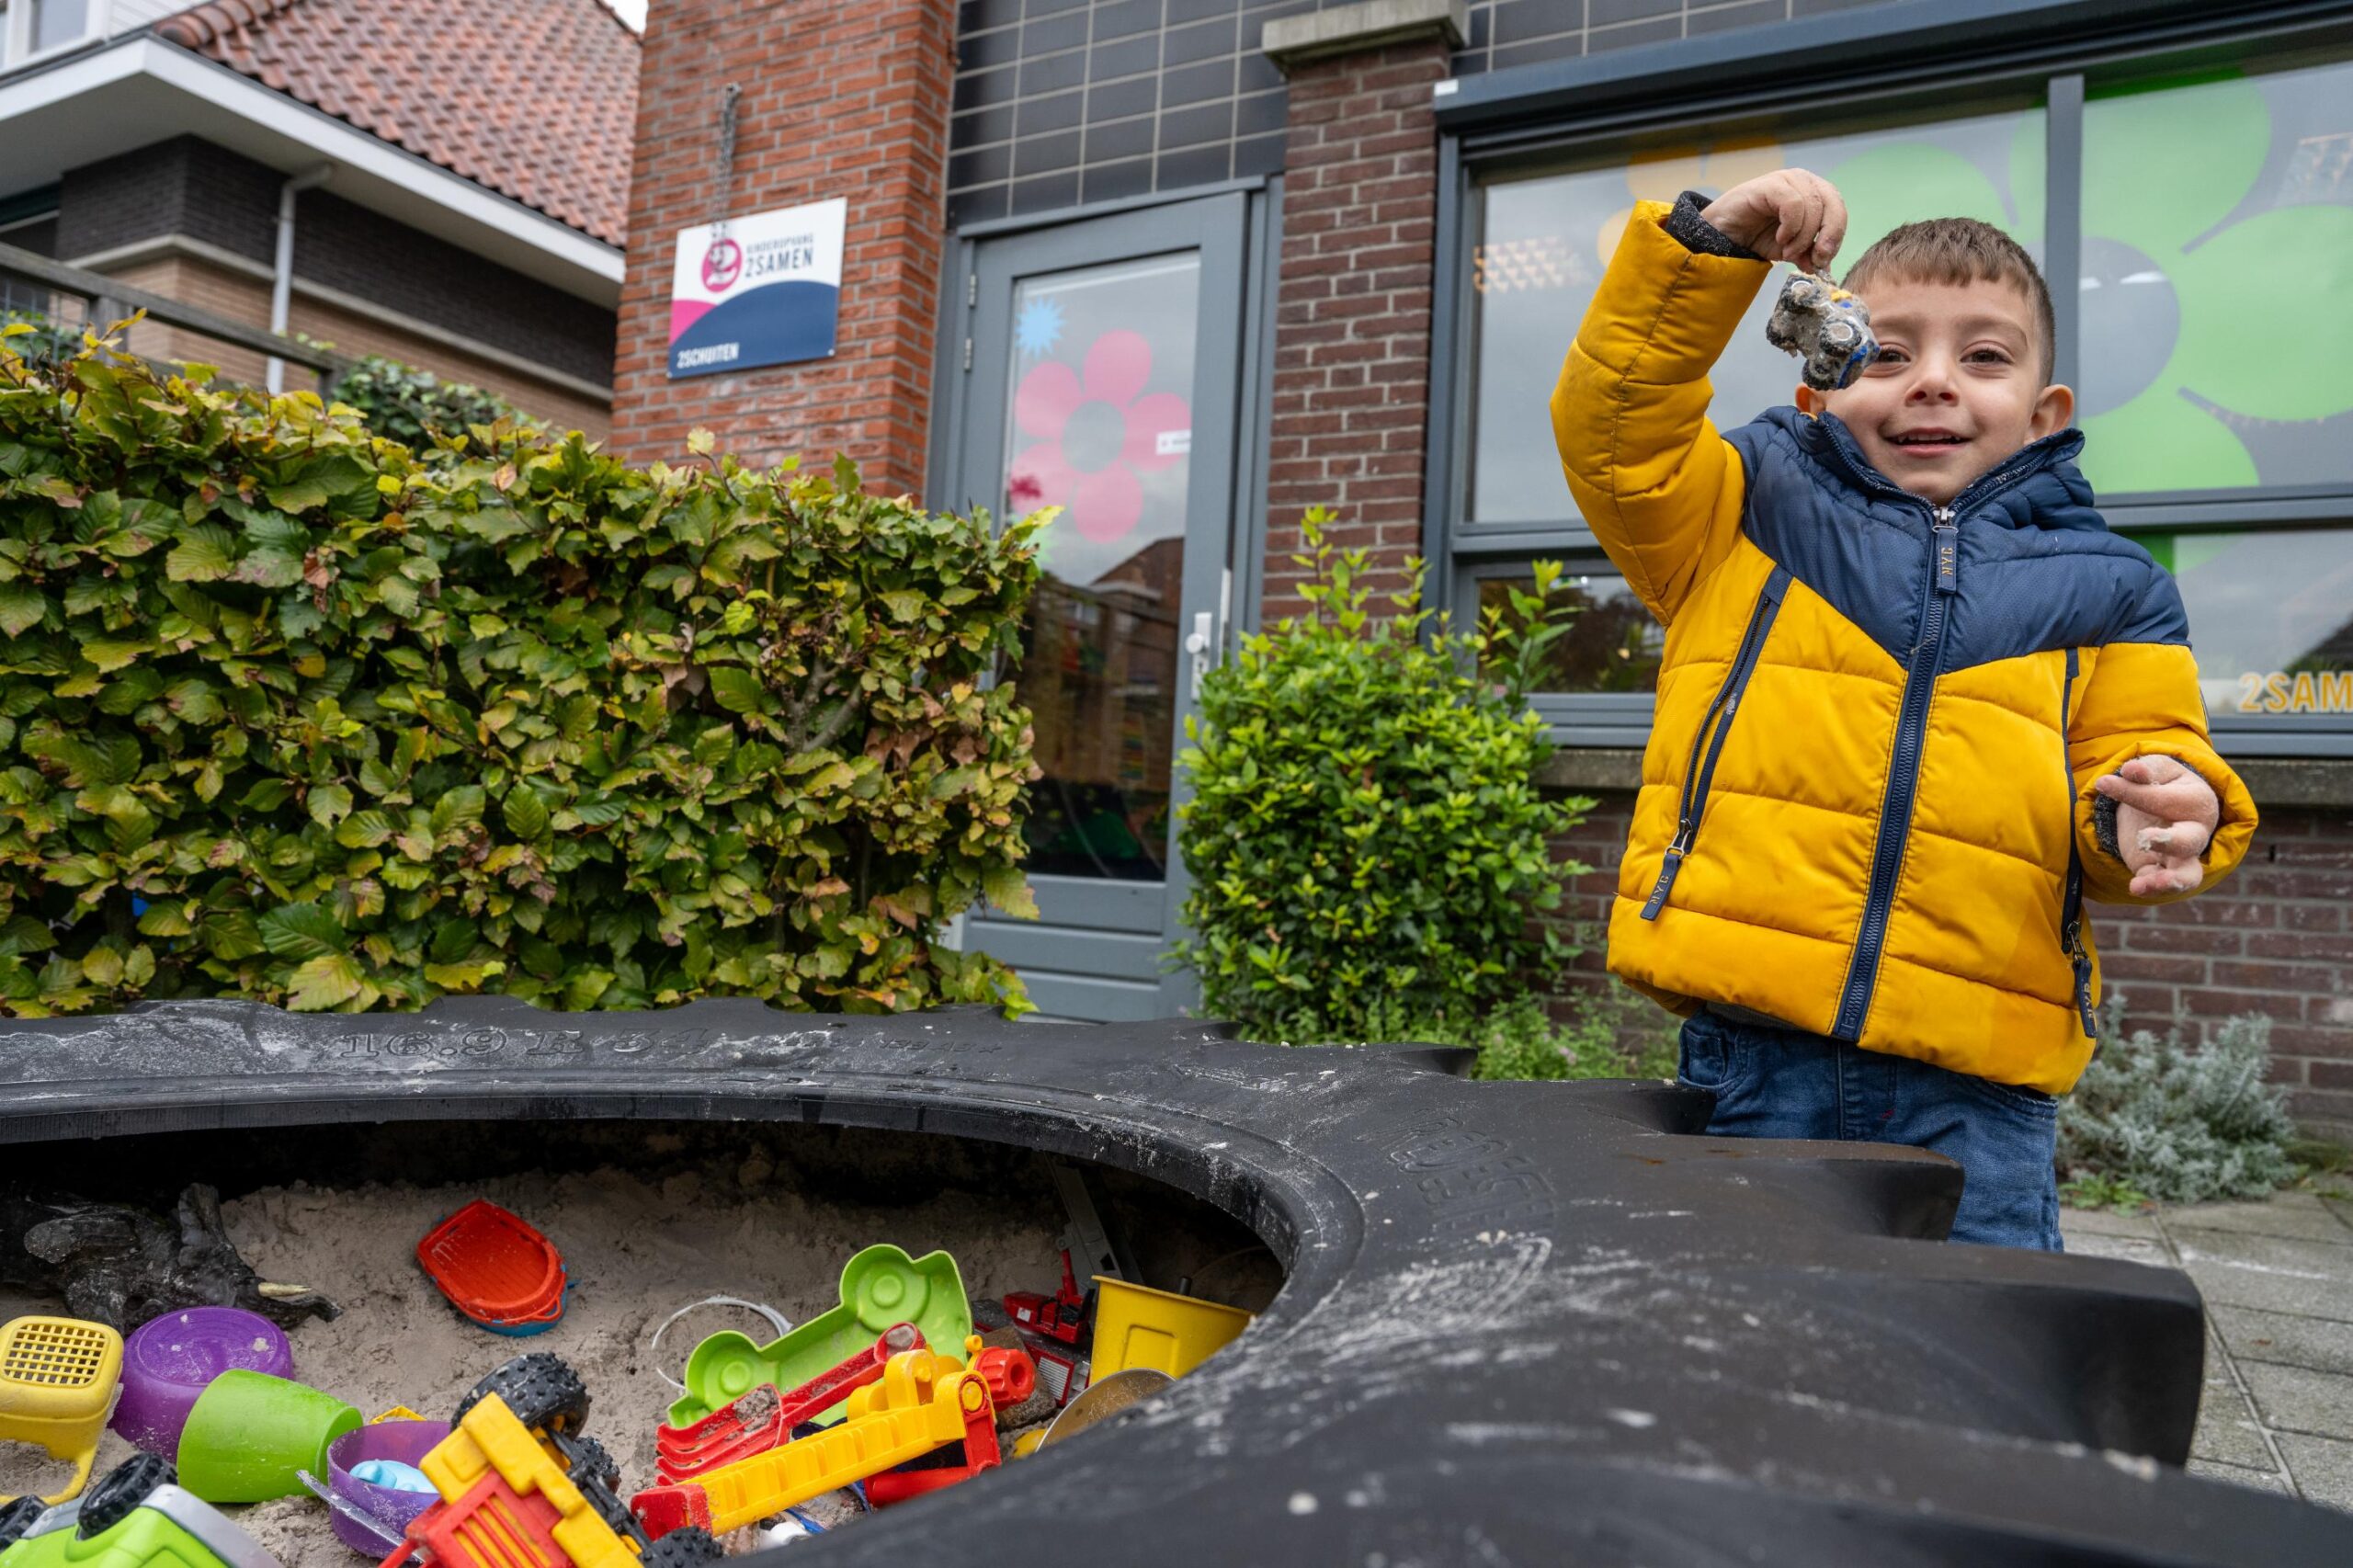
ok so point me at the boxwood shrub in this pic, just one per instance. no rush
(289, 712)
(1366, 836)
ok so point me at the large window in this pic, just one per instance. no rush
(2208, 330)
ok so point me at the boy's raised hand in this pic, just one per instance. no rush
(2164, 814)
(1788, 215)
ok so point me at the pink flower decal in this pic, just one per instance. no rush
(1094, 430)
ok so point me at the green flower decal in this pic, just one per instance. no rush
(2207, 304)
(2248, 312)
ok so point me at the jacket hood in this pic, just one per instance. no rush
(2038, 486)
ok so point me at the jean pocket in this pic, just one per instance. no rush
(1711, 1055)
(2017, 1097)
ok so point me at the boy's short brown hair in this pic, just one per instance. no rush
(1958, 251)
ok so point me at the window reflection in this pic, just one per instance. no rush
(1545, 241)
(2217, 289)
(2270, 618)
(1099, 392)
(1612, 644)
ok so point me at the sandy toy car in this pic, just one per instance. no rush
(523, 1487)
(1824, 326)
(137, 1515)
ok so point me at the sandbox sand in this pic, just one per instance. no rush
(637, 1248)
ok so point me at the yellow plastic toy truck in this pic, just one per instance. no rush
(522, 1487)
(924, 1401)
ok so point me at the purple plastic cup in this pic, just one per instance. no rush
(407, 1441)
(167, 1361)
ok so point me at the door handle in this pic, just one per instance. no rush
(1202, 646)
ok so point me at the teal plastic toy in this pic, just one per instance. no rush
(880, 1287)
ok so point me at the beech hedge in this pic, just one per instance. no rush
(291, 712)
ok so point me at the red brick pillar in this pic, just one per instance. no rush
(1352, 335)
(849, 101)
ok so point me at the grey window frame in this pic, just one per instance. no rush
(1972, 51)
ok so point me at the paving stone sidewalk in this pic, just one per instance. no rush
(2278, 1278)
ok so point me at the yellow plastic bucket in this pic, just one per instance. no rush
(1136, 1326)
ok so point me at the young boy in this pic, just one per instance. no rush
(1917, 703)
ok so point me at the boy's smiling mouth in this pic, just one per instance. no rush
(1927, 440)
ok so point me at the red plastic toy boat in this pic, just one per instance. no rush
(496, 1268)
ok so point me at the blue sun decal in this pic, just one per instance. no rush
(1040, 328)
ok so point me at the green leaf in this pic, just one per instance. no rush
(329, 981)
(269, 569)
(231, 934)
(195, 701)
(329, 804)
(364, 830)
(736, 690)
(113, 655)
(1008, 892)
(204, 555)
(458, 807)
(525, 813)
(22, 606)
(300, 496)
(301, 931)
(463, 976)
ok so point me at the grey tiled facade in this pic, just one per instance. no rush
(1063, 102)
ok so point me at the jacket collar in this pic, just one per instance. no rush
(2037, 487)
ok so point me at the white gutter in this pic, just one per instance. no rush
(369, 170)
(282, 286)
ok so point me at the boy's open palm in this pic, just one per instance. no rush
(1788, 215)
(2164, 814)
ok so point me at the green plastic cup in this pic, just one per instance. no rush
(250, 1435)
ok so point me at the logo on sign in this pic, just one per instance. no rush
(722, 264)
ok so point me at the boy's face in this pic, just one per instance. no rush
(1957, 388)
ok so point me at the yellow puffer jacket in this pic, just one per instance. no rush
(1868, 795)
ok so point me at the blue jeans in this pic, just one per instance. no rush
(1780, 1083)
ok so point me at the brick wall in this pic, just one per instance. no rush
(1352, 333)
(2273, 939)
(184, 186)
(344, 246)
(849, 101)
(192, 189)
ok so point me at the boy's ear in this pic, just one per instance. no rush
(2055, 410)
(1814, 404)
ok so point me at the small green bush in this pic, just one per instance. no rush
(414, 407)
(287, 714)
(1614, 1035)
(1365, 831)
(2154, 1117)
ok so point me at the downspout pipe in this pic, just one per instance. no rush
(281, 288)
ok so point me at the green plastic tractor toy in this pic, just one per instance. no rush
(135, 1516)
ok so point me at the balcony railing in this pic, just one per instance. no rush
(73, 300)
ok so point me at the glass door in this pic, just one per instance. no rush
(1101, 378)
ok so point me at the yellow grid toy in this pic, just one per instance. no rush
(57, 1385)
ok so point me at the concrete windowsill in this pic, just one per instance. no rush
(2306, 783)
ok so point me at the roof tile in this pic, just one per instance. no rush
(536, 99)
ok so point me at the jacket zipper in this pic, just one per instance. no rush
(2071, 906)
(1698, 777)
(1942, 582)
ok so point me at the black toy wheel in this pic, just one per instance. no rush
(540, 1389)
(590, 1462)
(17, 1517)
(689, 1548)
(120, 1492)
